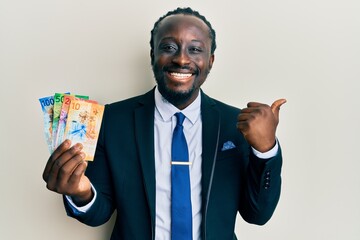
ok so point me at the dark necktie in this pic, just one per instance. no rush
(181, 215)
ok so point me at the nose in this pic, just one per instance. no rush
(181, 58)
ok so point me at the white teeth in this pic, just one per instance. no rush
(181, 75)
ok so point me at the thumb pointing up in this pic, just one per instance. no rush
(275, 107)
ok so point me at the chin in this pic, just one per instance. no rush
(175, 96)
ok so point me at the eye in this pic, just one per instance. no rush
(195, 50)
(168, 47)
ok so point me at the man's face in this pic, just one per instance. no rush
(181, 58)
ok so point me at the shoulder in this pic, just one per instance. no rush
(124, 111)
(131, 103)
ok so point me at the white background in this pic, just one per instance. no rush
(306, 51)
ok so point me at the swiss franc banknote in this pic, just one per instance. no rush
(58, 136)
(77, 118)
(83, 125)
(58, 101)
(47, 106)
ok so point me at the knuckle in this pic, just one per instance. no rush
(245, 125)
(78, 158)
(61, 188)
(53, 171)
(262, 111)
(77, 174)
(251, 119)
(58, 163)
(48, 186)
(44, 177)
(51, 187)
(267, 108)
(73, 150)
(58, 189)
(63, 171)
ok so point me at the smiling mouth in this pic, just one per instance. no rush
(180, 76)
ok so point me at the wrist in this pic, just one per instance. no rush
(83, 199)
(265, 147)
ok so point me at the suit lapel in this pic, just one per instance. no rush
(144, 134)
(210, 130)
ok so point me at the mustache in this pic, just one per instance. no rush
(173, 68)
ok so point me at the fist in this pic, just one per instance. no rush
(258, 123)
(64, 173)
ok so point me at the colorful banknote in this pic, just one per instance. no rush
(77, 119)
(58, 137)
(58, 101)
(83, 125)
(47, 106)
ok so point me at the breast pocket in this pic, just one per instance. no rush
(227, 154)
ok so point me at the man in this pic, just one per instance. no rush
(234, 161)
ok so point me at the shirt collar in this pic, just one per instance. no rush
(167, 110)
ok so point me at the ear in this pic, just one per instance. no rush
(152, 57)
(211, 61)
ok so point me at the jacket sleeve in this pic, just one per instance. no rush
(261, 189)
(99, 174)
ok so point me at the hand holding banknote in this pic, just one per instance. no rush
(64, 173)
(76, 119)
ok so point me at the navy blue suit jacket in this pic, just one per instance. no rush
(123, 172)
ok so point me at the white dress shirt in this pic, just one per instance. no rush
(164, 124)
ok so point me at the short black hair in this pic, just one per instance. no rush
(185, 11)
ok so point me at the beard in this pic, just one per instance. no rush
(176, 98)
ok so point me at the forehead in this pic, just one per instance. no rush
(182, 25)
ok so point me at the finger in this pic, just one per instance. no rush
(247, 110)
(78, 172)
(245, 116)
(61, 172)
(52, 170)
(62, 148)
(69, 167)
(55, 155)
(254, 104)
(254, 110)
(80, 169)
(275, 107)
(243, 127)
(66, 172)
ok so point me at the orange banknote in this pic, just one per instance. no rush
(83, 125)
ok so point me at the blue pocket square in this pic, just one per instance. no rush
(228, 145)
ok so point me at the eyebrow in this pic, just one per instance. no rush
(194, 40)
(171, 38)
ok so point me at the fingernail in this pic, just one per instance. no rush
(78, 146)
(66, 143)
(83, 155)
